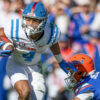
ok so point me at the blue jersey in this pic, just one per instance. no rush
(93, 51)
(3, 92)
(90, 84)
(76, 23)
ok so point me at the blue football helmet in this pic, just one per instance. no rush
(35, 10)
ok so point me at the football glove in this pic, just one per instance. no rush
(4, 53)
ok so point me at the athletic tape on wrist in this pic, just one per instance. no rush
(58, 58)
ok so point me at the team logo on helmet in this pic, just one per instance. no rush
(84, 66)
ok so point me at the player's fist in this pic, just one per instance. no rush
(4, 53)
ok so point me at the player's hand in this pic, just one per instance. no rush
(4, 53)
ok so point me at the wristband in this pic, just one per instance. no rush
(58, 58)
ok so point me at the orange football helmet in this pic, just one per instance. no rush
(84, 66)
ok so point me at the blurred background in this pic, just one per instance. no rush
(79, 22)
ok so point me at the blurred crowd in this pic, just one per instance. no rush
(79, 22)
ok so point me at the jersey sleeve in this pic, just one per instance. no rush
(12, 29)
(84, 88)
(8, 29)
(85, 96)
(56, 33)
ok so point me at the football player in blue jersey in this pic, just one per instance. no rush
(30, 36)
(82, 77)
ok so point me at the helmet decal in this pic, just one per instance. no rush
(32, 9)
(71, 66)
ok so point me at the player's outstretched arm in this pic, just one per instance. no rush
(56, 52)
(76, 98)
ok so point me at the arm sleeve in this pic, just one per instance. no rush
(85, 96)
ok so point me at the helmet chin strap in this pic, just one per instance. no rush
(42, 33)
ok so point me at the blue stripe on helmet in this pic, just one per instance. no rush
(12, 28)
(50, 35)
(17, 29)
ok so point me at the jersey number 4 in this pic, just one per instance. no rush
(29, 56)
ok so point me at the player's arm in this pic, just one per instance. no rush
(76, 98)
(4, 53)
(2, 34)
(56, 52)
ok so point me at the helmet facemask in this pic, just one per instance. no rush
(70, 81)
(35, 30)
(74, 76)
